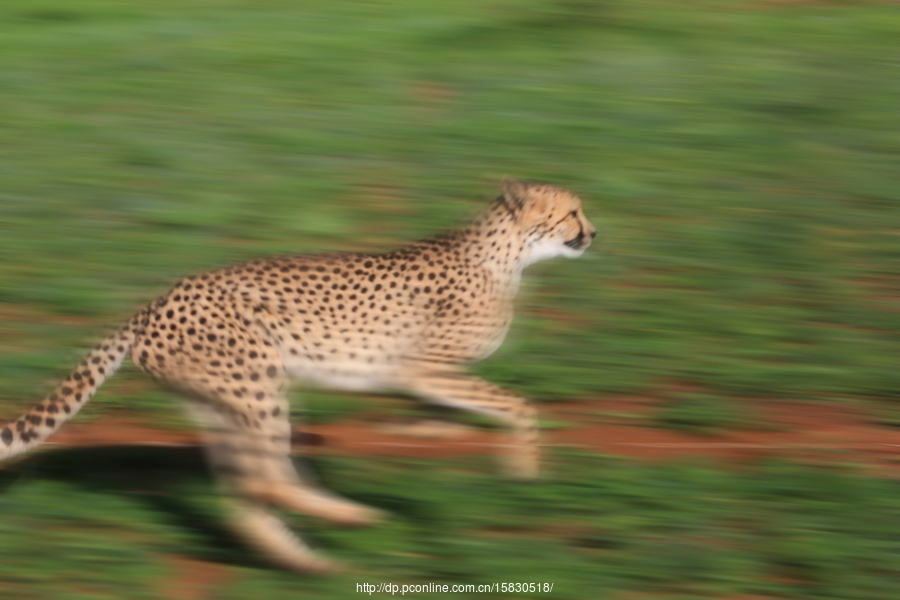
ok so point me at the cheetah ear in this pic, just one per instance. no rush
(515, 193)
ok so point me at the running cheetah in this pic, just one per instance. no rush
(409, 321)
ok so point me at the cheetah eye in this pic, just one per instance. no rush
(575, 213)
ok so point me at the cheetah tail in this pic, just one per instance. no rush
(66, 400)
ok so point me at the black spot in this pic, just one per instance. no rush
(254, 376)
(51, 422)
(211, 337)
(35, 419)
(7, 436)
(67, 391)
(276, 411)
(271, 371)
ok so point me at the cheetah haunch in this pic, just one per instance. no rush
(407, 321)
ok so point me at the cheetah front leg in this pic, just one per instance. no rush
(447, 386)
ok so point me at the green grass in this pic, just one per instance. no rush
(738, 157)
(739, 163)
(595, 527)
(705, 414)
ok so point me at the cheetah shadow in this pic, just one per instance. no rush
(173, 482)
(152, 476)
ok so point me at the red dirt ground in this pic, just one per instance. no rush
(821, 433)
(803, 431)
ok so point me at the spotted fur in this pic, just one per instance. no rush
(409, 320)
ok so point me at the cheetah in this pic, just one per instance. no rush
(409, 321)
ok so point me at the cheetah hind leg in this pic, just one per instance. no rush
(233, 460)
(268, 534)
(255, 469)
(286, 488)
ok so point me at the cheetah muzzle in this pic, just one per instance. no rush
(410, 320)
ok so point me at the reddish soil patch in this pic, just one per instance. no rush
(816, 432)
(808, 432)
(193, 579)
(118, 431)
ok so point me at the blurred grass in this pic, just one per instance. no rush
(597, 527)
(705, 414)
(739, 158)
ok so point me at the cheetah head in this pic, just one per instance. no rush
(550, 218)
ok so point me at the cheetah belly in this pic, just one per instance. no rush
(353, 366)
(345, 376)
